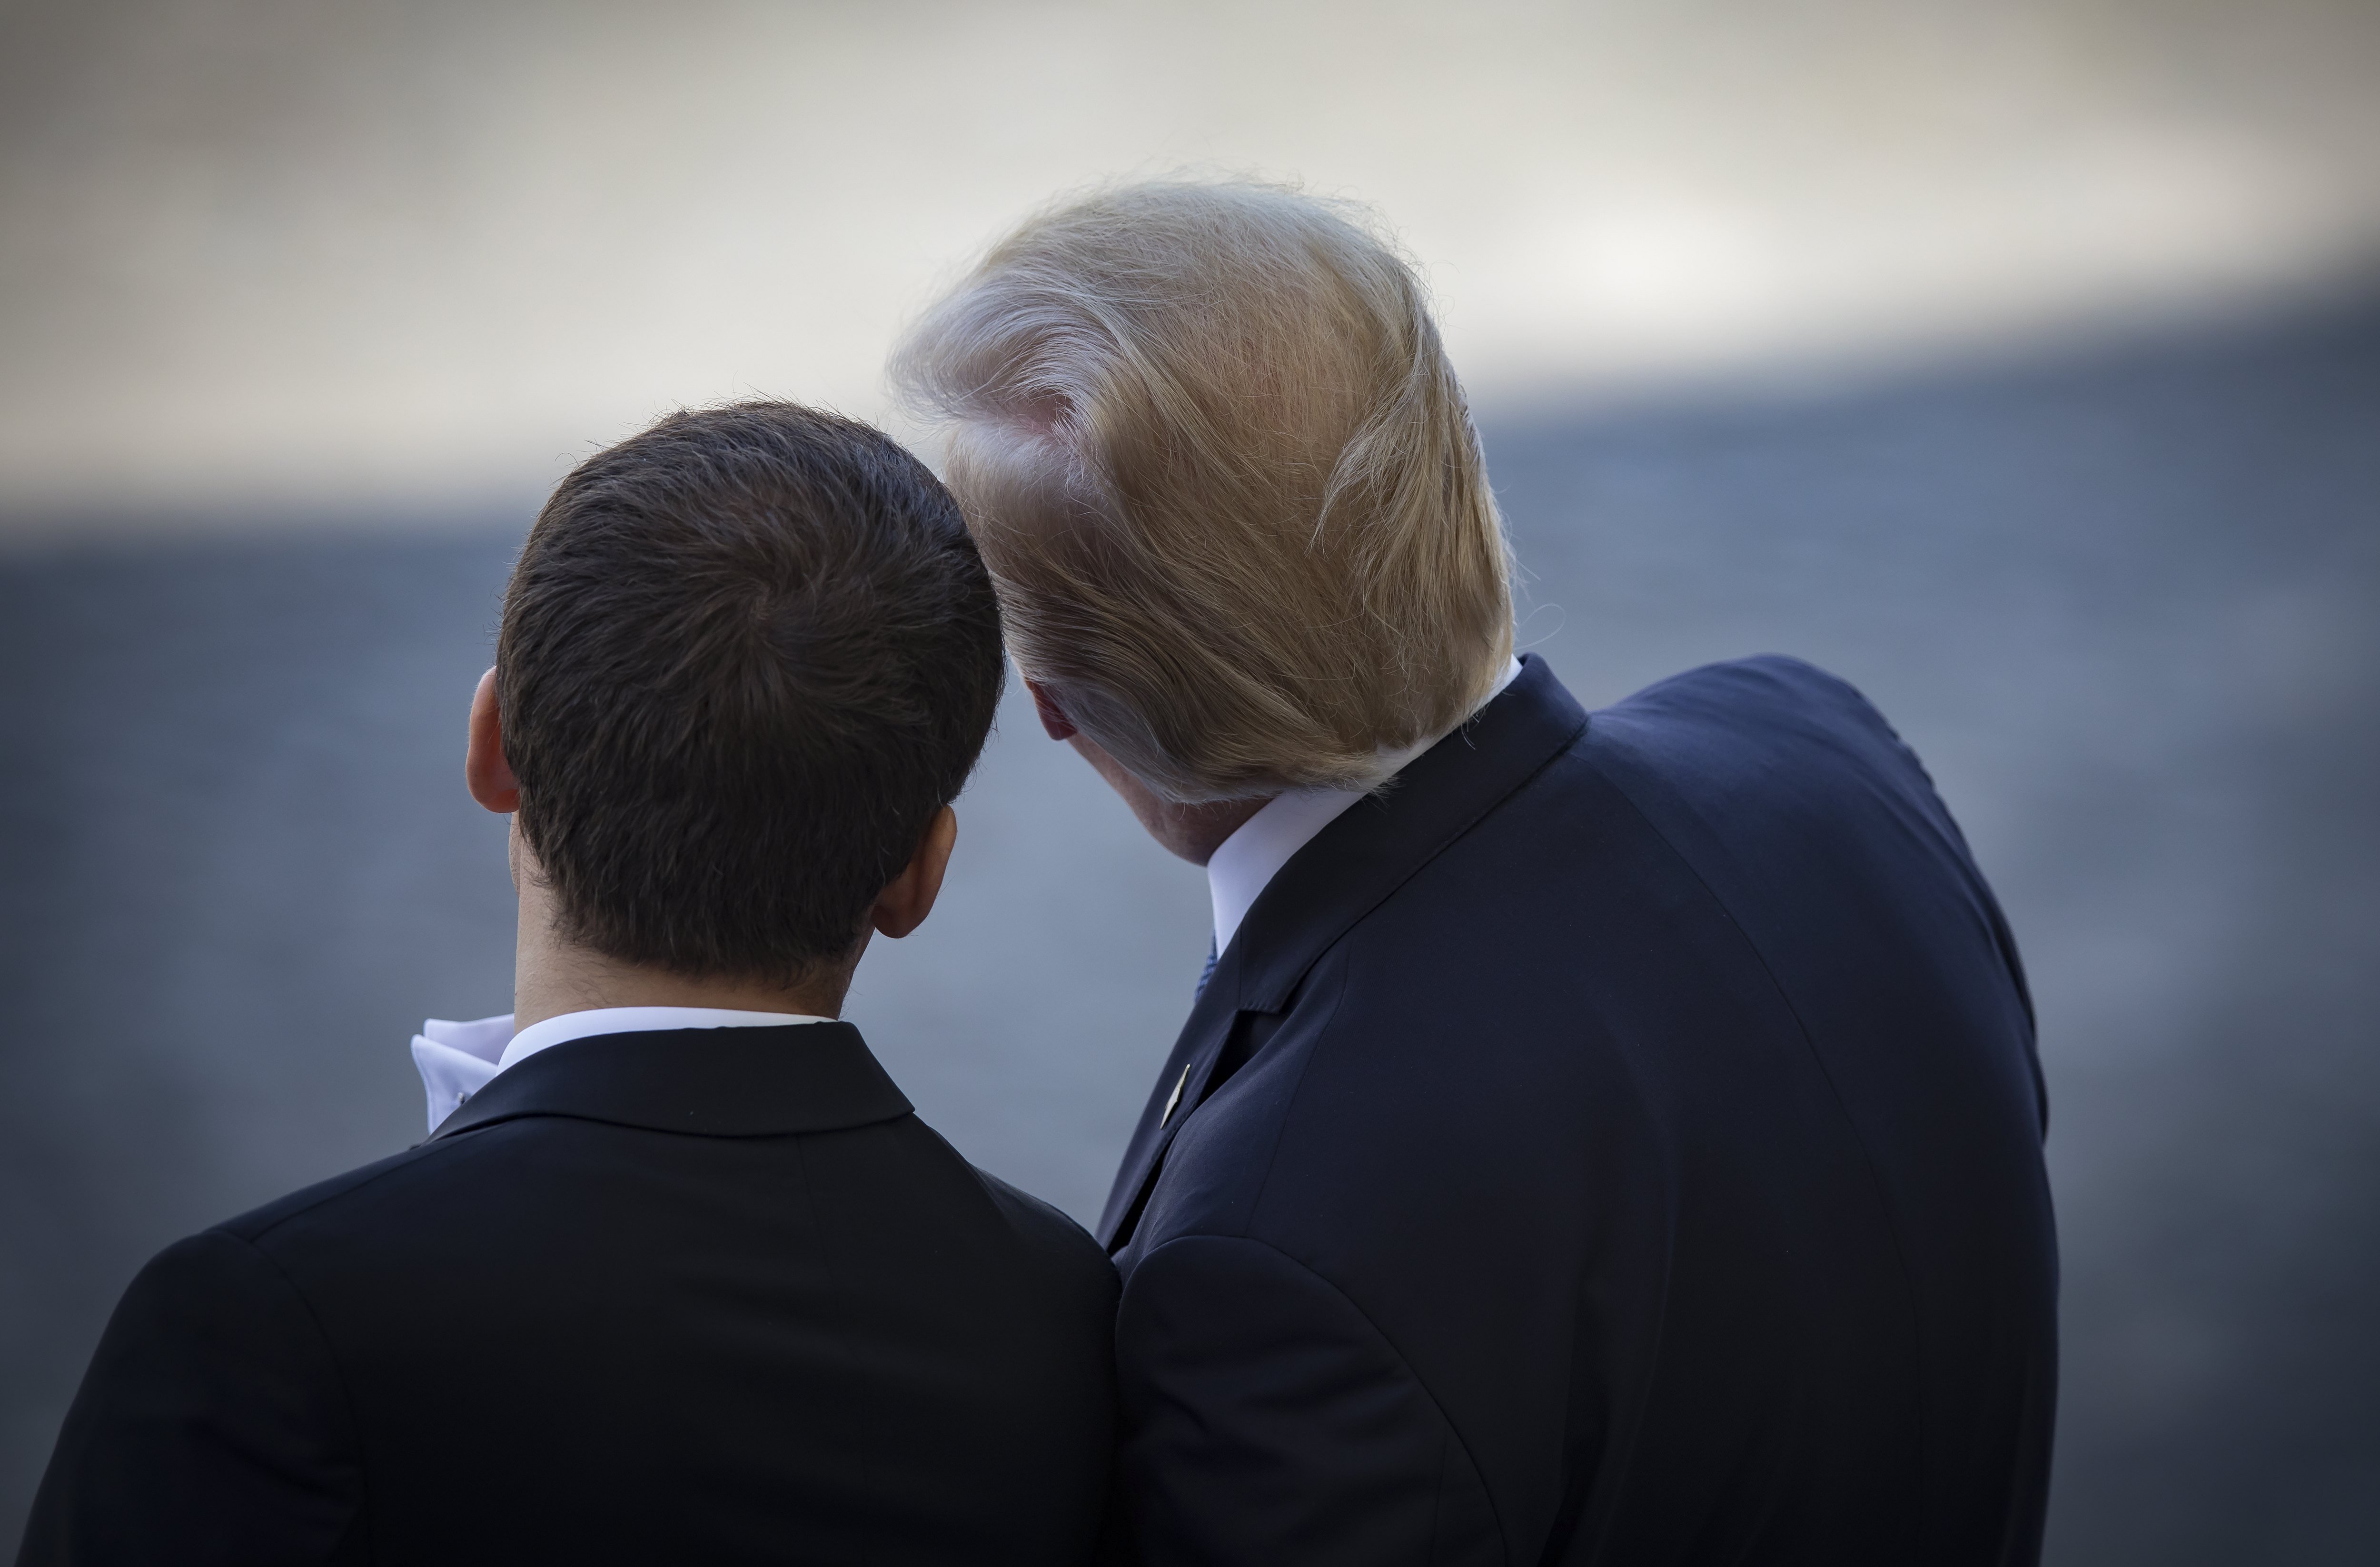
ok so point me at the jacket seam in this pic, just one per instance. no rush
(338, 1372)
(399, 1163)
(831, 1241)
(1403, 1365)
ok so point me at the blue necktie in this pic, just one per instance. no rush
(1207, 973)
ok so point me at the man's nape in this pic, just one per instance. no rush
(1187, 831)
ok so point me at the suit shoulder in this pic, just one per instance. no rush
(1065, 1244)
(1769, 684)
(216, 1261)
(214, 1308)
(1742, 720)
(366, 1181)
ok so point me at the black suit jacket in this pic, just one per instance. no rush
(705, 1297)
(1618, 1142)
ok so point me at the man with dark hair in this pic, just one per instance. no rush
(679, 1276)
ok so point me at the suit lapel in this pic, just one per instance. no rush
(1201, 1040)
(1352, 865)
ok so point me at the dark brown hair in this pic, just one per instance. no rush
(746, 657)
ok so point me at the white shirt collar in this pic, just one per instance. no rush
(1246, 862)
(456, 1060)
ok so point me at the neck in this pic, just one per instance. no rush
(1194, 832)
(553, 976)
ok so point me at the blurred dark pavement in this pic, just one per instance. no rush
(2126, 603)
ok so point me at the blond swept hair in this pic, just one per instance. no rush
(1226, 483)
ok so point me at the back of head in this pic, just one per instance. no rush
(1226, 483)
(746, 657)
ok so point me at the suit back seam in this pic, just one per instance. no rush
(1809, 1045)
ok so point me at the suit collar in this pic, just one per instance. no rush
(1348, 869)
(1245, 863)
(709, 1082)
(1374, 847)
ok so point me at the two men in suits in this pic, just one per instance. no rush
(1599, 1137)
(685, 1281)
(1602, 1137)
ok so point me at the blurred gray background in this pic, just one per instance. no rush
(2024, 369)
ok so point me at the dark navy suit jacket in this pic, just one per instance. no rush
(708, 1296)
(1618, 1141)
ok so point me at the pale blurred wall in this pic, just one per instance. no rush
(2021, 363)
(261, 256)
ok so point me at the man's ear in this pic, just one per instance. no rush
(485, 771)
(903, 906)
(1054, 721)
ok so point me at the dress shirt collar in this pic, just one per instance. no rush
(1244, 863)
(695, 1082)
(456, 1060)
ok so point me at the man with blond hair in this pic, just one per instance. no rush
(1606, 1137)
